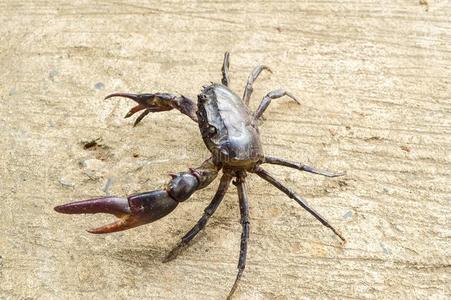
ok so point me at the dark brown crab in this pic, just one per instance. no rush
(230, 132)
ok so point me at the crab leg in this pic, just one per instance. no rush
(267, 100)
(248, 89)
(299, 166)
(158, 102)
(244, 212)
(208, 212)
(142, 208)
(225, 69)
(269, 178)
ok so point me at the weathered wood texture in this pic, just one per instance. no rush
(374, 79)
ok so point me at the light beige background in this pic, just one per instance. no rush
(373, 77)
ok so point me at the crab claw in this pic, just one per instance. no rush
(133, 211)
(147, 102)
(143, 99)
(153, 102)
(158, 102)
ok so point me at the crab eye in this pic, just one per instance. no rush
(211, 130)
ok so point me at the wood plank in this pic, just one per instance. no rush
(373, 77)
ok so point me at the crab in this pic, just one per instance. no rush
(230, 132)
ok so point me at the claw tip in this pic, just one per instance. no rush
(94, 231)
(59, 208)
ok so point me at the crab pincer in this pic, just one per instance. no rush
(143, 208)
(156, 103)
(133, 211)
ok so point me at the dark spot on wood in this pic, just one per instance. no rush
(374, 139)
(425, 4)
(332, 132)
(102, 151)
(405, 148)
(90, 144)
(342, 183)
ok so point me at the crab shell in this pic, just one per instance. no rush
(227, 128)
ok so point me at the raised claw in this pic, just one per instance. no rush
(133, 211)
(158, 102)
(149, 102)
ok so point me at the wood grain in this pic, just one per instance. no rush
(373, 77)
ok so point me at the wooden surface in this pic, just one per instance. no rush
(373, 77)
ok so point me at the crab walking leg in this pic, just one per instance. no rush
(208, 212)
(158, 102)
(225, 69)
(244, 212)
(268, 177)
(248, 89)
(299, 166)
(267, 100)
(143, 208)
